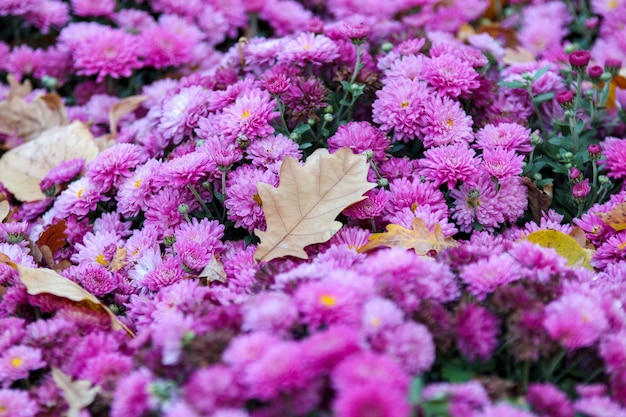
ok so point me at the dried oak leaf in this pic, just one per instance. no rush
(23, 167)
(5, 209)
(78, 394)
(54, 236)
(121, 109)
(419, 238)
(213, 271)
(615, 218)
(27, 120)
(302, 210)
(539, 200)
(46, 281)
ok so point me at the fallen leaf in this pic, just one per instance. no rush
(538, 200)
(5, 208)
(615, 218)
(495, 30)
(54, 236)
(23, 167)
(17, 89)
(121, 109)
(619, 81)
(517, 55)
(419, 238)
(27, 120)
(47, 281)
(565, 245)
(78, 394)
(118, 261)
(214, 271)
(302, 210)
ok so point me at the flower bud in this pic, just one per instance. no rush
(603, 180)
(575, 175)
(612, 66)
(183, 208)
(580, 191)
(595, 73)
(383, 182)
(579, 59)
(565, 99)
(386, 47)
(595, 151)
(356, 32)
(328, 117)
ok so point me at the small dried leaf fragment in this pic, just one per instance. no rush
(118, 261)
(54, 236)
(419, 238)
(121, 109)
(615, 218)
(23, 167)
(564, 245)
(78, 394)
(302, 210)
(214, 271)
(47, 281)
(539, 200)
(5, 208)
(517, 55)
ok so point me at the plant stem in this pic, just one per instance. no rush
(200, 200)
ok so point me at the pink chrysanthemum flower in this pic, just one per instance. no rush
(449, 164)
(17, 362)
(610, 251)
(501, 163)
(545, 26)
(109, 52)
(267, 151)
(365, 368)
(408, 67)
(615, 151)
(279, 369)
(445, 122)
(451, 76)
(105, 369)
(477, 332)
(242, 198)
(506, 135)
(63, 173)
(414, 194)
(477, 202)
(396, 168)
(97, 249)
(485, 276)
(94, 278)
(132, 396)
(503, 410)
(309, 48)
(373, 400)
(245, 349)
(181, 113)
(285, 17)
(115, 164)
(197, 241)
(274, 312)
(599, 406)
(464, 398)
(575, 320)
(135, 191)
(250, 116)
(80, 197)
(380, 314)
(94, 8)
(23, 60)
(369, 208)
(166, 273)
(223, 153)
(399, 107)
(412, 346)
(188, 169)
(47, 14)
(613, 352)
(162, 208)
(212, 387)
(548, 400)
(17, 403)
(360, 137)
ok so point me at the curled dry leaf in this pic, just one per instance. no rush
(538, 200)
(517, 55)
(5, 208)
(23, 167)
(564, 245)
(78, 394)
(302, 210)
(214, 271)
(615, 218)
(419, 238)
(122, 108)
(118, 261)
(47, 281)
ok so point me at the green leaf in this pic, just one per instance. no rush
(540, 72)
(301, 128)
(512, 84)
(454, 371)
(544, 182)
(544, 97)
(219, 196)
(415, 393)
(562, 142)
(305, 145)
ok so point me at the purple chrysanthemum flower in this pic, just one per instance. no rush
(506, 135)
(445, 122)
(575, 320)
(486, 275)
(267, 151)
(80, 197)
(250, 116)
(373, 400)
(17, 362)
(477, 332)
(132, 396)
(501, 163)
(274, 312)
(449, 164)
(16, 403)
(197, 241)
(212, 387)
(97, 248)
(115, 164)
(364, 368)
(414, 194)
(309, 47)
(94, 278)
(451, 76)
(477, 202)
(63, 173)
(188, 169)
(399, 107)
(549, 400)
(615, 151)
(412, 346)
(380, 314)
(109, 52)
(181, 113)
(360, 137)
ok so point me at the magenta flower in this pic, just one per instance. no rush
(372, 400)
(166, 273)
(16, 403)
(486, 275)
(575, 320)
(132, 395)
(477, 332)
(197, 241)
(17, 362)
(506, 135)
(412, 346)
(247, 348)
(369, 368)
(399, 107)
(273, 312)
(181, 113)
(86, 8)
(501, 163)
(80, 197)
(449, 164)
(267, 151)
(109, 52)
(548, 400)
(477, 202)
(360, 137)
(250, 116)
(188, 169)
(324, 349)
(212, 387)
(446, 123)
(115, 164)
(404, 193)
(309, 47)
(451, 76)
(615, 151)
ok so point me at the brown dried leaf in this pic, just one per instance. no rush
(17, 89)
(121, 109)
(23, 167)
(27, 120)
(78, 394)
(302, 210)
(47, 281)
(118, 260)
(538, 200)
(214, 271)
(5, 208)
(54, 236)
(517, 55)
(419, 238)
(615, 218)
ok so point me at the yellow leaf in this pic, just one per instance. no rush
(615, 218)
(46, 281)
(302, 210)
(565, 245)
(78, 394)
(419, 238)
(5, 209)
(23, 167)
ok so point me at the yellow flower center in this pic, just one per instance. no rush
(257, 199)
(449, 122)
(613, 4)
(586, 318)
(17, 362)
(80, 192)
(245, 114)
(3, 409)
(101, 260)
(306, 46)
(404, 104)
(138, 183)
(376, 322)
(414, 207)
(328, 300)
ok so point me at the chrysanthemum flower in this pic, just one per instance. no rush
(360, 137)
(399, 107)
(477, 202)
(365, 368)
(449, 164)
(548, 400)
(451, 76)
(181, 113)
(212, 387)
(404, 193)
(247, 348)
(47, 14)
(250, 116)
(477, 332)
(16, 403)
(115, 164)
(109, 52)
(80, 197)
(486, 275)
(501, 163)
(506, 135)
(445, 122)
(197, 241)
(374, 400)
(132, 396)
(575, 320)
(615, 151)
(97, 248)
(95, 8)
(464, 397)
(272, 149)
(94, 278)
(17, 362)
(135, 191)
(309, 48)
(412, 346)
